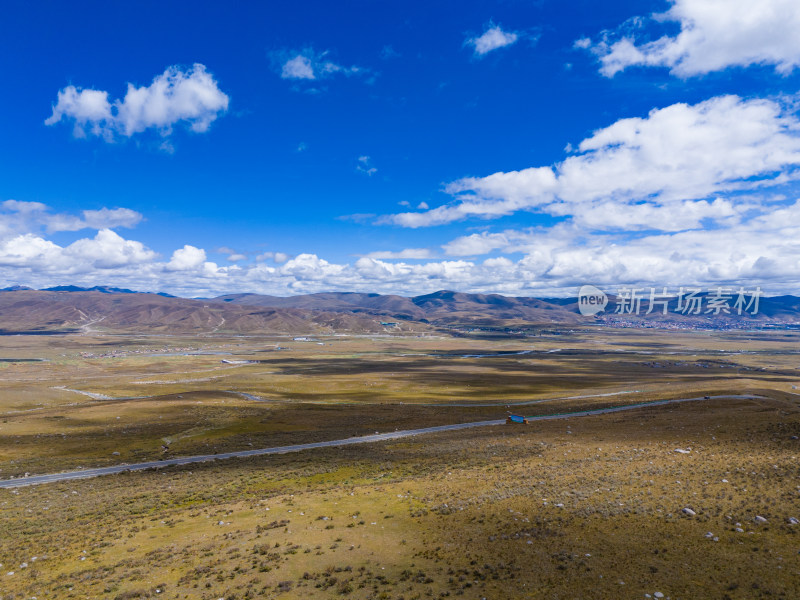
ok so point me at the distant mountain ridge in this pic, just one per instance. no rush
(103, 289)
(36, 311)
(442, 308)
(119, 309)
(447, 307)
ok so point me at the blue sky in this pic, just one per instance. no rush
(514, 147)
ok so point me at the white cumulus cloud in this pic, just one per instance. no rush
(554, 260)
(714, 35)
(191, 96)
(491, 39)
(677, 157)
(187, 258)
(476, 244)
(107, 250)
(308, 64)
(298, 67)
(408, 253)
(19, 216)
(105, 218)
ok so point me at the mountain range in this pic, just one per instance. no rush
(104, 308)
(41, 311)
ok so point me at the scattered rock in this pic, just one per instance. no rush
(682, 451)
(793, 521)
(658, 595)
(760, 519)
(688, 512)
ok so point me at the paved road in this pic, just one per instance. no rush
(378, 437)
(603, 411)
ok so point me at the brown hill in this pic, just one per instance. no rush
(443, 308)
(450, 307)
(43, 311)
(456, 308)
(118, 310)
(396, 306)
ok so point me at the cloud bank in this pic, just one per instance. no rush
(543, 261)
(658, 172)
(18, 217)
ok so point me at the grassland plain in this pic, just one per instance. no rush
(589, 507)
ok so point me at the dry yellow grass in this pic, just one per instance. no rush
(589, 507)
(509, 512)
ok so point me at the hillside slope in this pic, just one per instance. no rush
(34, 311)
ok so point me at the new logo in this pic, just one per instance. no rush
(591, 300)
